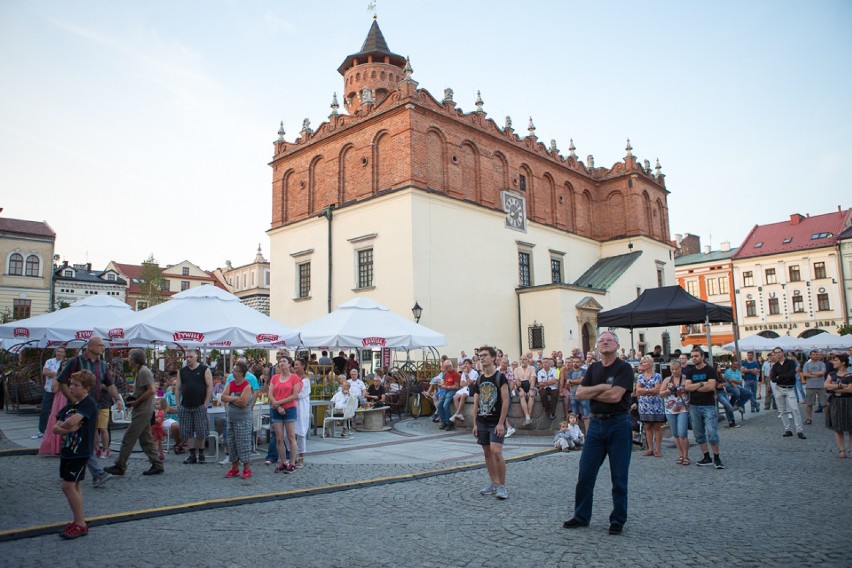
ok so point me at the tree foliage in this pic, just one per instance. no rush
(151, 282)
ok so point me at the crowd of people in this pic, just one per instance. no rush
(598, 397)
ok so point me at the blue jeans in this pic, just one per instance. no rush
(611, 438)
(722, 395)
(679, 424)
(751, 387)
(744, 395)
(445, 406)
(705, 424)
(46, 405)
(800, 391)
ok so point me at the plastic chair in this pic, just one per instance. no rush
(121, 416)
(348, 414)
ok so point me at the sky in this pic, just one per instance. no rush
(139, 128)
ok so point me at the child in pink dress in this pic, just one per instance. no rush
(157, 430)
(51, 443)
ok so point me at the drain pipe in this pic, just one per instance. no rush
(328, 215)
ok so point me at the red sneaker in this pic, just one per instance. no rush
(233, 472)
(73, 531)
(246, 473)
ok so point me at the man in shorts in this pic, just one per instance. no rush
(90, 360)
(76, 423)
(574, 378)
(193, 388)
(491, 403)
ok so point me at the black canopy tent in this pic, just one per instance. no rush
(668, 305)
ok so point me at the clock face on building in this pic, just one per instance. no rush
(515, 209)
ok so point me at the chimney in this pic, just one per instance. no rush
(706, 249)
(725, 246)
(678, 238)
(795, 219)
(691, 244)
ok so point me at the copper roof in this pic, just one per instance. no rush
(606, 271)
(797, 233)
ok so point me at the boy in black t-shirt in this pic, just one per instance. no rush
(76, 422)
(491, 404)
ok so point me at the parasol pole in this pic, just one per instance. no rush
(707, 332)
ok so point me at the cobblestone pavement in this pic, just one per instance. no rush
(769, 507)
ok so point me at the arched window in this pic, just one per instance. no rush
(32, 265)
(16, 264)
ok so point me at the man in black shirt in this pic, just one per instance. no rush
(607, 384)
(700, 382)
(192, 391)
(339, 363)
(783, 374)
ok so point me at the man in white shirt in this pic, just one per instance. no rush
(357, 386)
(340, 399)
(49, 372)
(468, 377)
(547, 380)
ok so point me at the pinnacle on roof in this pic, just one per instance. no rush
(375, 40)
(375, 46)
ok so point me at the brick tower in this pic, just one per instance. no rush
(371, 74)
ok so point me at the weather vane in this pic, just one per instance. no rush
(371, 7)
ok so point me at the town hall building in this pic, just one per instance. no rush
(501, 239)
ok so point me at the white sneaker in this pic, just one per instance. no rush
(489, 489)
(38, 436)
(225, 461)
(460, 417)
(509, 433)
(501, 493)
(527, 420)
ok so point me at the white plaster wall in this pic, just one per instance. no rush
(456, 259)
(788, 322)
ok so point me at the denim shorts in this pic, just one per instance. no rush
(485, 435)
(705, 424)
(581, 407)
(679, 424)
(288, 416)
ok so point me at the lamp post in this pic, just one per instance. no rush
(416, 311)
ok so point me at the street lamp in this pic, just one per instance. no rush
(416, 311)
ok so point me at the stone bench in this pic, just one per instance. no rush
(541, 425)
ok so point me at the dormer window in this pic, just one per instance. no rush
(787, 240)
(824, 235)
(68, 273)
(111, 277)
(758, 244)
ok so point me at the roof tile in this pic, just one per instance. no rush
(797, 233)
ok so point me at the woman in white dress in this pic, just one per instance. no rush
(303, 411)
